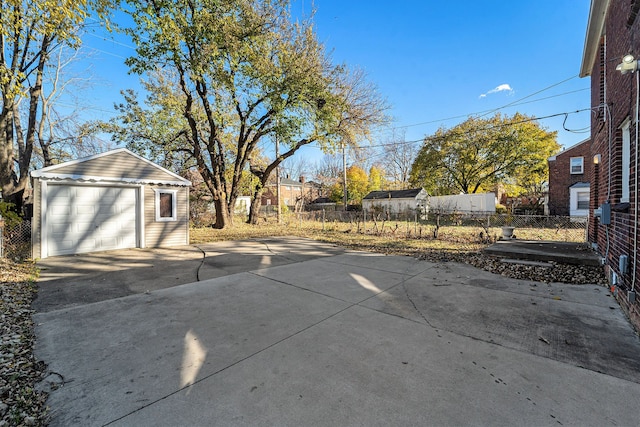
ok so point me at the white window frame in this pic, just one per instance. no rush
(573, 201)
(582, 196)
(174, 204)
(626, 162)
(576, 160)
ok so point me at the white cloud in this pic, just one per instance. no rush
(502, 88)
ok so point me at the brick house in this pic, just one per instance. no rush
(611, 39)
(294, 194)
(569, 173)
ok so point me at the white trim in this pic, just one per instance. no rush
(142, 242)
(595, 29)
(44, 244)
(104, 179)
(625, 167)
(581, 158)
(573, 201)
(45, 172)
(174, 204)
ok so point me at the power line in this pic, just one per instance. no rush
(486, 128)
(485, 112)
(529, 96)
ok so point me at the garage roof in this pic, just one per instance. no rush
(115, 166)
(394, 194)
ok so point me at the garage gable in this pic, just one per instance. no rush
(120, 165)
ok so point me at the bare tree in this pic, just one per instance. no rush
(29, 33)
(328, 171)
(398, 156)
(61, 135)
(295, 167)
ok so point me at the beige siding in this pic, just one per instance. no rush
(117, 165)
(36, 232)
(171, 232)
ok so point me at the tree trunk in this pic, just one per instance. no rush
(7, 172)
(223, 219)
(256, 203)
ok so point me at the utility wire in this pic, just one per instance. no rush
(433, 138)
(485, 112)
(529, 96)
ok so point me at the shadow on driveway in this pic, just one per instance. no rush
(289, 331)
(67, 281)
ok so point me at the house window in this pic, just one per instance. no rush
(626, 161)
(577, 165)
(166, 205)
(583, 200)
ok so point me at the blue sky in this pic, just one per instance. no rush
(435, 62)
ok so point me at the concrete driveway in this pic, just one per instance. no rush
(295, 332)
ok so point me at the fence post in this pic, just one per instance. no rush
(322, 219)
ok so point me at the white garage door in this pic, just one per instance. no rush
(87, 219)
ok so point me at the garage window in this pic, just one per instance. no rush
(166, 205)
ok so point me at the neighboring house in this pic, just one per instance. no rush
(395, 201)
(611, 50)
(201, 199)
(294, 194)
(113, 200)
(569, 174)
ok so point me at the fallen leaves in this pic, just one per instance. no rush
(20, 402)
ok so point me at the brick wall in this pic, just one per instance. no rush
(561, 178)
(619, 93)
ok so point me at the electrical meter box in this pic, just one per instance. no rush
(605, 214)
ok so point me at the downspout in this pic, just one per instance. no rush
(635, 189)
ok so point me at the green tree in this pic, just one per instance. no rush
(479, 153)
(242, 73)
(29, 32)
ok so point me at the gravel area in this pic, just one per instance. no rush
(20, 403)
(555, 273)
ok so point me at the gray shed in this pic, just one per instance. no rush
(113, 200)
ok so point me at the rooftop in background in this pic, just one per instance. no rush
(393, 194)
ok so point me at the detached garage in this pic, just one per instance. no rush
(113, 200)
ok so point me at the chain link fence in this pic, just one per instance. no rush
(487, 225)
(15, 240)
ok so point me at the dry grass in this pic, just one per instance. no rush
(390, 237)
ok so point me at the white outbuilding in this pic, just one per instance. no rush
(113, 200)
